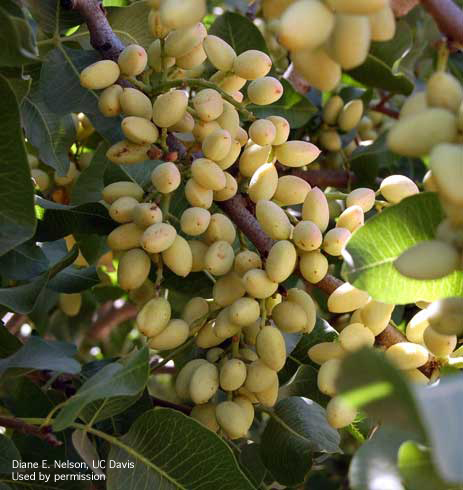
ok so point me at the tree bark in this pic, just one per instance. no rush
(102, 37)
(111, 319)
(324, 177)
(19, 426)
(448, 16)
(236, 210)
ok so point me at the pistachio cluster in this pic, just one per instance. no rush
(431, 124)
(241, 329)
(326, 37)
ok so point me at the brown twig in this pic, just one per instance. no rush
(381, 107)
(322, 178)
(402, 7)
(329, 284)
(15, 322)
(386, 111)
(298, 82)
(387, 337)
(237, 211)
(43, 433)
(102, 37)
(448, 17)
(111, 319)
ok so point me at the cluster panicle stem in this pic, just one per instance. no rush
(200, 83)
(246, 222)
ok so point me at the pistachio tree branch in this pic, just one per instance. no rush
(16, 322)
(324, 177)
(237, 211)
(402, 7)
(20, 426)
(298, 82)
(102, 37)
(448, 17)
(387, 337)
(107, 320)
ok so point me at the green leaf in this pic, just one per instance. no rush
(368, 381)
(40, 315)
(8, 454)
(376, 73)
(24, 298)
(17, 216)
(102, 410)
(115, 379)
(366, 161)
(16, 36)
(9, 343)
(74, 280)
(21, 87)
(252, 464)
(180, 288)
(293, 106)
(322, 332)
(24, 262)
(456, 65)
(87, 451)
(417, 469)
(26, 398)
(440, 407)
(61, 90)
(371, 251)
(172, 451)
(60, 220)
(304, 384)
(88, 186)
(115, 3)
(92, 246)
(374, 465)
(128, 23)
(140, 173)
(60, 82)
(40, 354)
(51, 134)
(46, 14)
(297, 428)
(392, 51)
(238, 31)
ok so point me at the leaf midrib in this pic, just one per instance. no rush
(132, 452)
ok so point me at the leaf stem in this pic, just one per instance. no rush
(172, 355)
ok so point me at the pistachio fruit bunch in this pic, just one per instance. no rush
(326, 37)
(431, 125)
(339, 117)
